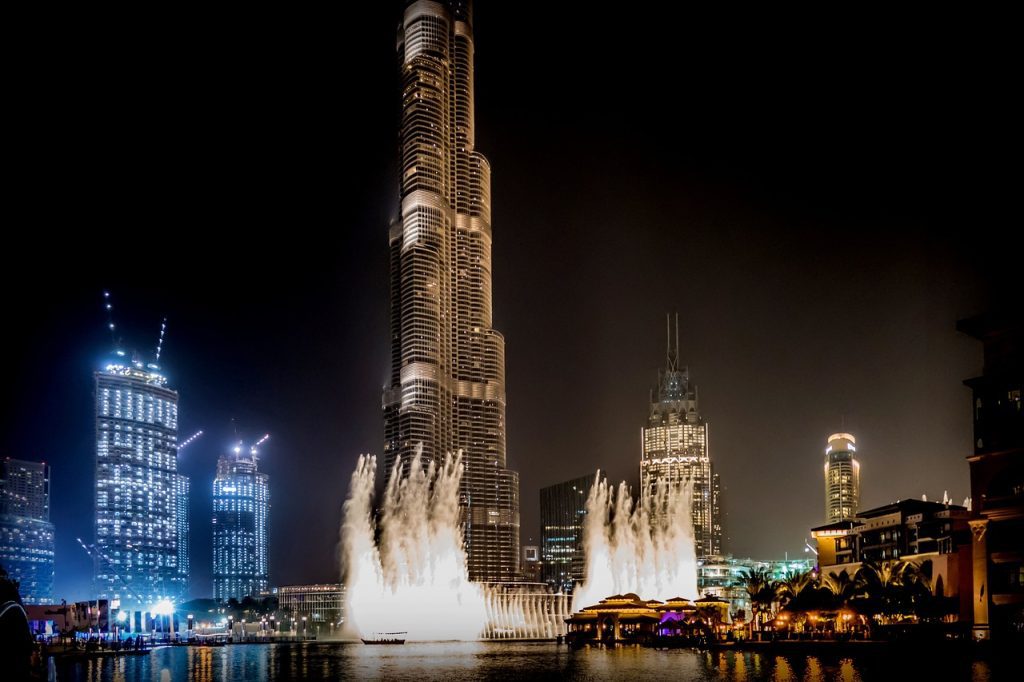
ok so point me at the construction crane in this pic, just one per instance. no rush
(109, 307)
(160, 343)
(254, 450)
(185, 443)
(94, 554)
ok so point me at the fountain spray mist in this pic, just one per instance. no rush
(645, 548)
(416, 581)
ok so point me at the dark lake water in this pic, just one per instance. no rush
(482, 660)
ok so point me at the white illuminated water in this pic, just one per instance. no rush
(644, 548)
(416, 580)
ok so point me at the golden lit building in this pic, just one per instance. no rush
(446, 391)
(675, 448)
(842, 478)
(628, 618)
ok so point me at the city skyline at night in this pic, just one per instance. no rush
(815, 226)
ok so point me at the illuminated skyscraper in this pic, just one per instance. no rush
(26, 534)
(675, 448)
(447, 386)
(137, 486)
(241, 499)
(842, 478)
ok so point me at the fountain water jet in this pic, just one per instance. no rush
(645, 548)
(416, 581)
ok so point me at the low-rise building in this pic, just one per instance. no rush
(628, 618)
(324, 603)
(932, 535)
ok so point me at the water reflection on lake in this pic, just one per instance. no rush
(485, 660)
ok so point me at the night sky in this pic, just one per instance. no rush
(820, 209)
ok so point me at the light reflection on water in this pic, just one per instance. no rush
(484, 660)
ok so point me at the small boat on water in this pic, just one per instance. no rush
(386, 638)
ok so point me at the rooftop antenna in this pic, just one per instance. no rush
(160, 343)
(668, 342)
(677, 338)
(671, 352)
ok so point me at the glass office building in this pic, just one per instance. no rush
(563, 507)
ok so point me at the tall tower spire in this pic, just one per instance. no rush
(677, 340)
(672, 354)
(446, 391)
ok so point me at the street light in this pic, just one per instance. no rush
(303, 627)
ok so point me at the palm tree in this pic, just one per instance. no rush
(792, 586)
(839, 584)
(842, 587)
(885, 588)
(839, 589)
(927, 598)
(761, 590)
(711, 619)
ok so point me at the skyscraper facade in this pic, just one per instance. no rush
(241, 501)
(842, 478)
(26, 534)
(137, 486)
(563, 507)
(675, 448)
(26, 488)
(446, 391)
(181, 492)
